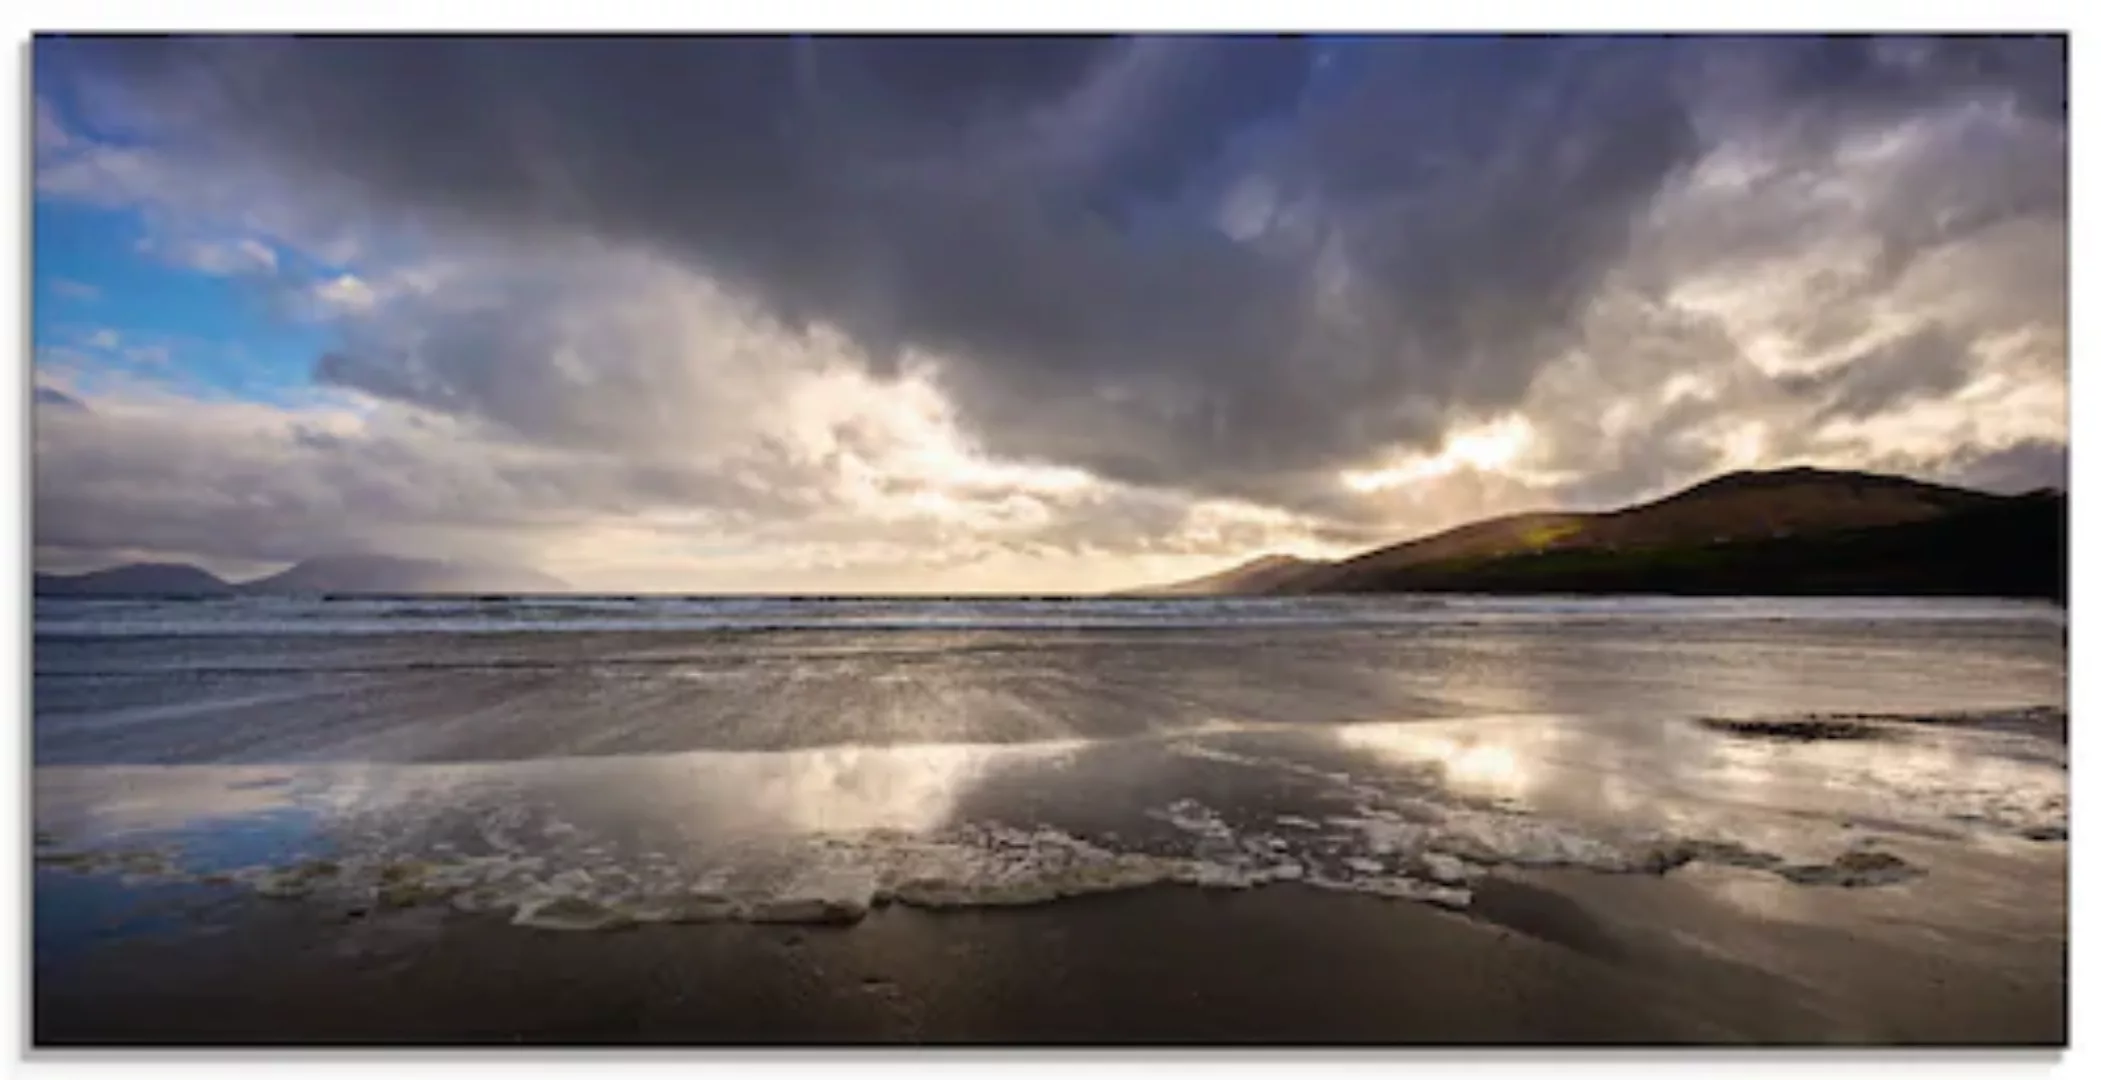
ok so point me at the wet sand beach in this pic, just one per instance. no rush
(1708, 822)
(1543, 957)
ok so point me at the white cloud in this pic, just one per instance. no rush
(345, 292)
(75, 290)
(629, 422)
(220, 258)
(51, 135)
(143, 468)
(647, 431)
(1488, 448)
(201, 211)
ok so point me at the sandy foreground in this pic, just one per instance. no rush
(1971, 953)
(1829, 822)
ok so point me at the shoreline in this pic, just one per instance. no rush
(1543, 957)
(320, 839)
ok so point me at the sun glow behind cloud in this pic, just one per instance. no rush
(1166, 329)
(1487, 448)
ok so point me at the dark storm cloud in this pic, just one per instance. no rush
(1925, 363)
(2022, 467)
(1425, 222)
(1851, 77)
(248, 483)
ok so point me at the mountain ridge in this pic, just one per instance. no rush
(1744, 531)
(1253, 576)
(136, 579)
(367, 574)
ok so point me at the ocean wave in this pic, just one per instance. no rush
(74, 618)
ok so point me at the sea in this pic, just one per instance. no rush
(585, 763)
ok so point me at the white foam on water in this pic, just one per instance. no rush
(1393, 834)
(1193, 817)
(841, 894)
(1445, 869)
(1395, 887)
(61, 618)
(839, 879)
(572, 913)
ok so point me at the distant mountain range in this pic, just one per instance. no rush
(333, 574)
(1785, 532)
(137, 579)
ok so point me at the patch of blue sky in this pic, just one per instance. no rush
(95, 291)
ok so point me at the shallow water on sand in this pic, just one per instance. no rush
(583, 763)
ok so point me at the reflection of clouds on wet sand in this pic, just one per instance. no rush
(837, 789)
(1944, 779)
(831, 789)
(1796, 797)
(1663, 776)
(1763, 896)
(1494, 759)
(117, 800)
(1406, 810)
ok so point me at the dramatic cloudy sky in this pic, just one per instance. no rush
(1050, 314)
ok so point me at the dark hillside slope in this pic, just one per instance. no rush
(134, 579)
(1799, 531)
(1734, 507)
(1268, 574)
(2014, 547)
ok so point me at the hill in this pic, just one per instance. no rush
(1779, 532)
(136, 579)
(1270, 573)
(386, 574)
(2014, 548)
(335, 574)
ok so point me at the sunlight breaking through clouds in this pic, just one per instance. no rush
(1488, 448)
(1189, 317)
